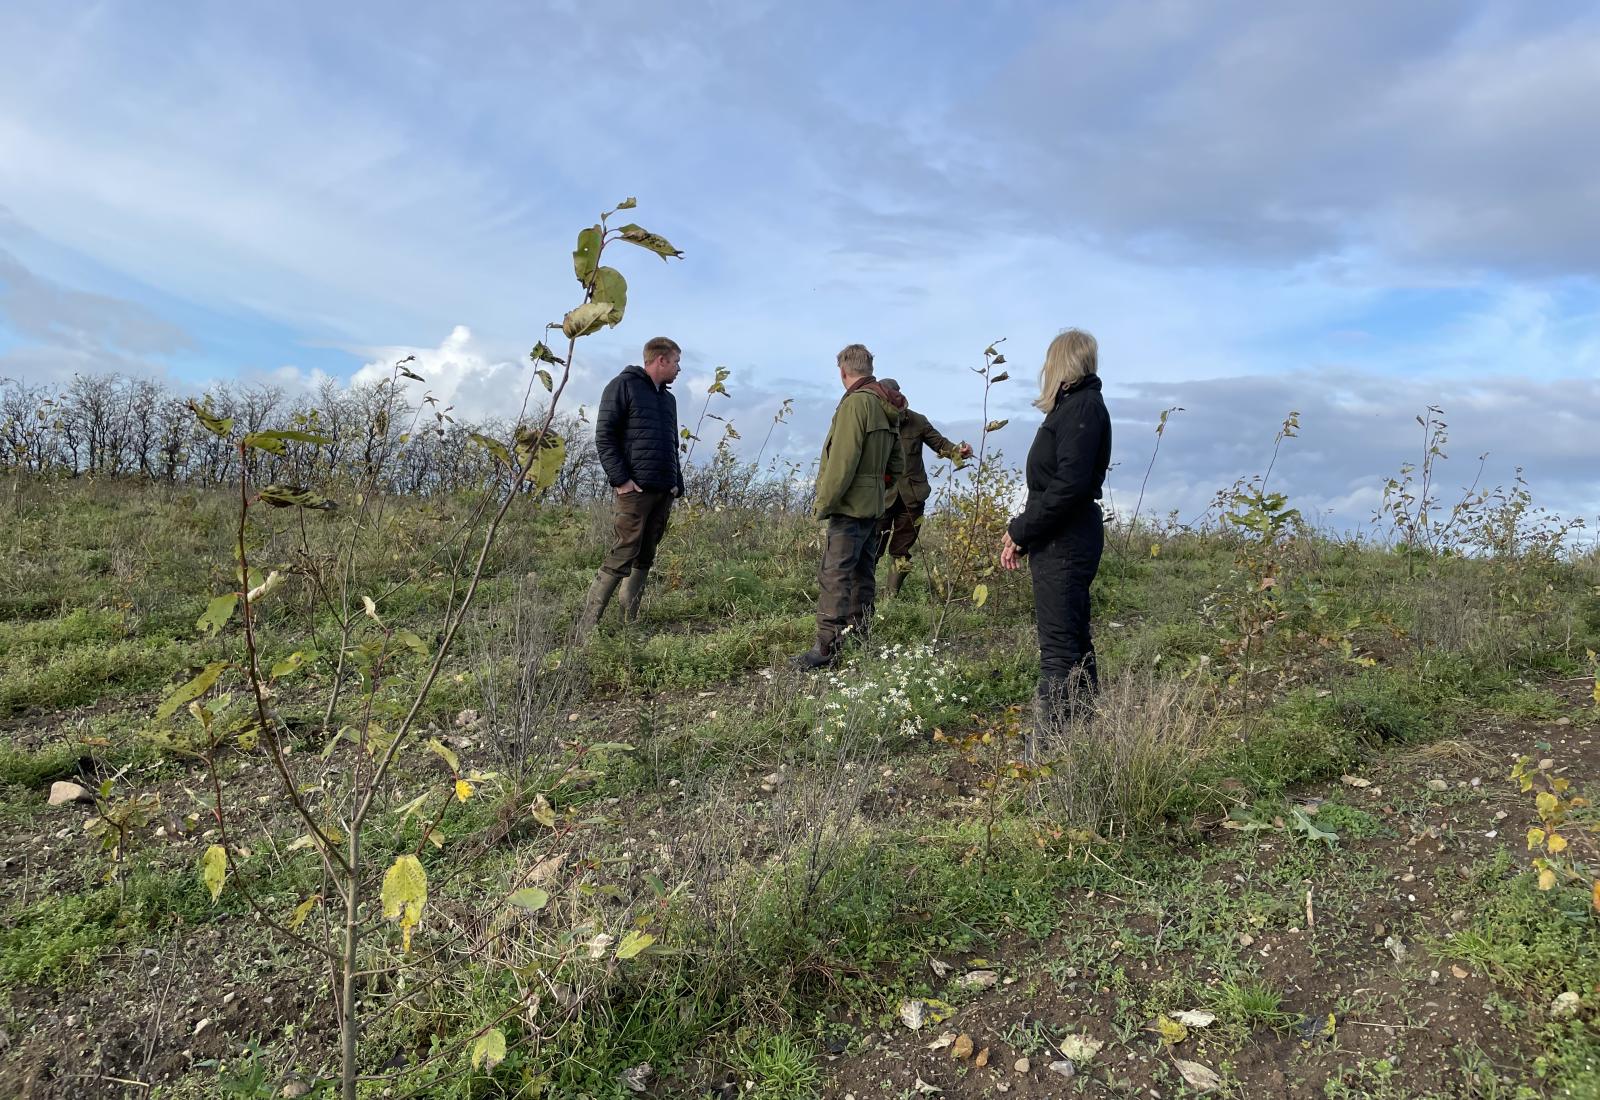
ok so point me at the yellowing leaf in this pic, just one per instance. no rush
(446, 755)
(1546, 802)
(1535, 838)
(217, 613)
(192, 690)
(980, 595)
(1547, 879)
(489, 1049)
(530, 898)
(1155, 549)
(542, 812)
(1170, 1030)
(405, 892)
(302, 911)
(214, 870)
(372, 609)
(1556, 844)
(585, 319)
(633, 943)
(1594, 894)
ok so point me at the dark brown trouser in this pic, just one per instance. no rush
(848, 585)
(899, 527)
(641, 521)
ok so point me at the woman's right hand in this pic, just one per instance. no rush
(1009, 558)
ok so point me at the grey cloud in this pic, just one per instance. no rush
(43, 311)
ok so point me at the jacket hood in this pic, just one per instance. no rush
(633, 368)
(892, 398)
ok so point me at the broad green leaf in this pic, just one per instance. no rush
(443, 753)
(545, 380)
(217, 613)
(217, 425)
(587, 254)
(610, 286)
(633, 943)
(531, 898)
(547, 463)
(192, 690)
(411, 642)
(493, 446)
(413, 806)
(293, 663)
(980, 595)
(489, 1049)
(214, 870)
(639, 235)
(277, 442)
(1535, 839)
(295, 496)
(405, 892)
(585, 319)
(302, 911)
(628, 203)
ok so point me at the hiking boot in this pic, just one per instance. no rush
(594, 604)
(813, 659)
(632, 593)
(896, 578)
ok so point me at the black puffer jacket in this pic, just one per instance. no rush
(1066, 466)
(636, 433)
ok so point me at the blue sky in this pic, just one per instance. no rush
(1355, 209)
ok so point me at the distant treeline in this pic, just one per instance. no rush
(114, 426)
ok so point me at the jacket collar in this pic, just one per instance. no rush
(635, 369)
(1087, 382)
(894, 398)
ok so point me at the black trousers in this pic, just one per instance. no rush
(1063, 569)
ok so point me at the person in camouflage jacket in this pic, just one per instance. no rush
(908, 500)
(861, 464)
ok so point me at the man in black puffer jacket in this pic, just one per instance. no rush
(636, 435)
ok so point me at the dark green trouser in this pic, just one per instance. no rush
(641, 521)
(848, 586)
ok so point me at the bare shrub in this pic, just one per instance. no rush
(525, 687)
(1121, 770)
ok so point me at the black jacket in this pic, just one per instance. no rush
(1066, 466)
(636, 433)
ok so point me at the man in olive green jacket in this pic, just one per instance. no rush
(908, 500)
(861, 463)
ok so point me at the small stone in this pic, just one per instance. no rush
(202, 1025)
(1563, 721)
(230, 998)
(1064, 1068)
(1022, 1065)
(1458, 972)
(774, 779)
(293, 1089)
(979, 979)
(62, 792)
(638, 1078)
(1438, 785)
(1565, 1006)
(1002, 1086)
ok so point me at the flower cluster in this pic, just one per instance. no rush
(891, 690)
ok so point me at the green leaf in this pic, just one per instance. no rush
(411, 642)
(489, 1049)
(218, 426)
(405, 892)
(445, 754)
(585, 319)
(214, 870)
(548, 382)
(193, 689)
(293, 663)
(217, 613)
(610, 286)
(628, 203)
(639, 235)
(633, 943)
(541, 456)
(295, 496)
(532, 899)
(587, 254)
(995, 425)
(980, 595)
(542, 354)
(493, 446)
(302, 911)
(277, 442)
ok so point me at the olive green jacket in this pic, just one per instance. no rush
(861, 459)
(916, 433)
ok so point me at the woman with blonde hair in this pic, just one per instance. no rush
(1060, 530)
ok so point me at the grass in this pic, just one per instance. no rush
(824, 898)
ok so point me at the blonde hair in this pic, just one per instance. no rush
(1072, 356)
(657, 346)
(856, 361)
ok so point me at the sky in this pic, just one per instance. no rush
(1353, 211)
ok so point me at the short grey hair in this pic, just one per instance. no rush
(856, 361)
